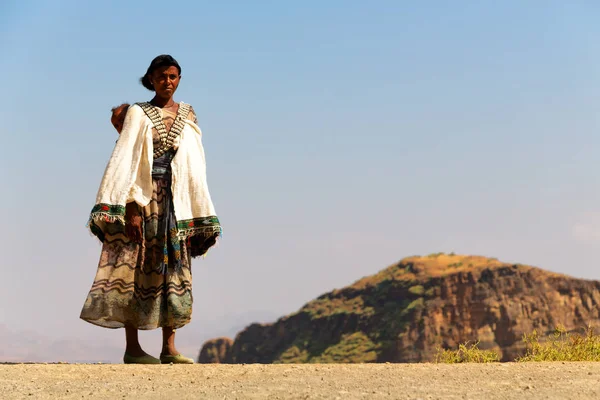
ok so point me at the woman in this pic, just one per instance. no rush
(153, 213)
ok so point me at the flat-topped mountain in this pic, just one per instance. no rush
(408, 310)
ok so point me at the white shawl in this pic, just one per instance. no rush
(128, 178)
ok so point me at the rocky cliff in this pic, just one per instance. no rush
(405, 312)
(215, 351)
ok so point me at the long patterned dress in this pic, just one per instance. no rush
(147, 285)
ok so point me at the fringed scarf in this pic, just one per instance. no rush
(128, 177)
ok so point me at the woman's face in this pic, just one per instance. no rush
(165, 81)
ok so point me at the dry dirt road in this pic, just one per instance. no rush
(324, 381)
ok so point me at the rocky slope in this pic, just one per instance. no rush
(215, 351)
(405, 312)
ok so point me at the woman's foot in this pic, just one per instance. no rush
(169, 353)
(133, 350)
(169, 350)
(175, 359)
(145, 359)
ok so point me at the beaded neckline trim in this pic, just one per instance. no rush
(167, 139)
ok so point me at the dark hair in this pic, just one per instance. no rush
(164, 60)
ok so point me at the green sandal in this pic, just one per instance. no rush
(178, 359)
(147, 359)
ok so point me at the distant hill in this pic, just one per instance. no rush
(30, 346)
(406, 311)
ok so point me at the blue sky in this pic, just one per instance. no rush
(341, 136)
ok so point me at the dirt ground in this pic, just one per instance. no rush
(320, 381)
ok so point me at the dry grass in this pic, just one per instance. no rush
(558, 346)
(466, 354)
(562, 346)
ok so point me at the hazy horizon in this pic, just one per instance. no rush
(340, 138)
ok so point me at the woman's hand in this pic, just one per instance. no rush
(133, 223)
(118, 116)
